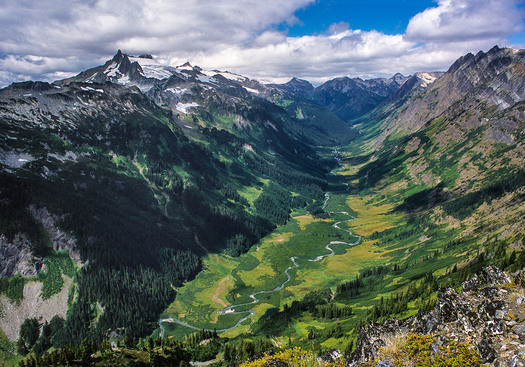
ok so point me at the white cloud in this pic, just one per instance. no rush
(462, 20)
(47, 39)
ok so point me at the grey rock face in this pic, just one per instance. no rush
(16, 257)
(485, 315)
(495, 77)
(60, 239)
(488, 276)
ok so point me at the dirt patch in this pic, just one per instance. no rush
(220, 288)
(412, 145)
(279, 238)
(12, 315)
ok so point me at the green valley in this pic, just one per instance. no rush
(208, 217)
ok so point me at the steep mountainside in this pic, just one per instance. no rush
(487, 313)
(460, 140)
(296, 86)
(480, 84)
(125, 181)
(200, 96)
(140, 186)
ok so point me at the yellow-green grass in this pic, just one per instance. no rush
(305, 220)
(232, 279)
(200, 292)
(262, 268)
(303, 237)
(251, 193)
(372, 217)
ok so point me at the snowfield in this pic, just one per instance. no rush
(183, 107)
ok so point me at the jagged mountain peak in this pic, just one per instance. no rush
(350, 98)
(484, 84)
(118, 56)
(399, 78)
(185, 65)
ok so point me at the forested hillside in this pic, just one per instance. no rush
(175, 214)
(133, 199)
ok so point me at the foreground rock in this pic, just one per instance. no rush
(489, 314)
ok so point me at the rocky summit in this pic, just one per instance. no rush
(488, 313)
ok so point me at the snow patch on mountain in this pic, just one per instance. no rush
(426, 79)
(183, 107)
(112, 70)
(87, 89)
(207, 79)
(153, 69)
(178, 91)
(15, 159)
(251, 90)
(224, 74)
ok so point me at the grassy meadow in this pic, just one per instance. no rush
(389, 237)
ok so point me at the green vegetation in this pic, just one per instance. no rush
(295, 357)
(465, 205)
(7, 348)
(183, 226)
(144, 202)
(13, 287)
(421, 350)
(57, 265)
(29, 332)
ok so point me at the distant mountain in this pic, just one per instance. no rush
(414, 83)
(485, 83)
(191, 90)
(295, 86)
(116, 182)
(348, 98)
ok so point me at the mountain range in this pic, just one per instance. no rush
(116, 184)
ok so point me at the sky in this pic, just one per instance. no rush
(270, 40)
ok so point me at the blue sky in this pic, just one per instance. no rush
(271, 40)
(388, 16)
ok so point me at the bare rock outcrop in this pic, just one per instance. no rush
(13, 314)
(16, 257)
(489, 313)
(60, 239)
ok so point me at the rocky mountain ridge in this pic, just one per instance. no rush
(348, 98)
(485, 82)
(488, 313)
(136, 167)
(136, 174)
(189, 90)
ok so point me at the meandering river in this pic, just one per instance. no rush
(254, 300)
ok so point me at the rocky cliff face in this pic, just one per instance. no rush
(16, 257)
(350, 98)
(489, 313)
(60, 239)
(484, 83)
